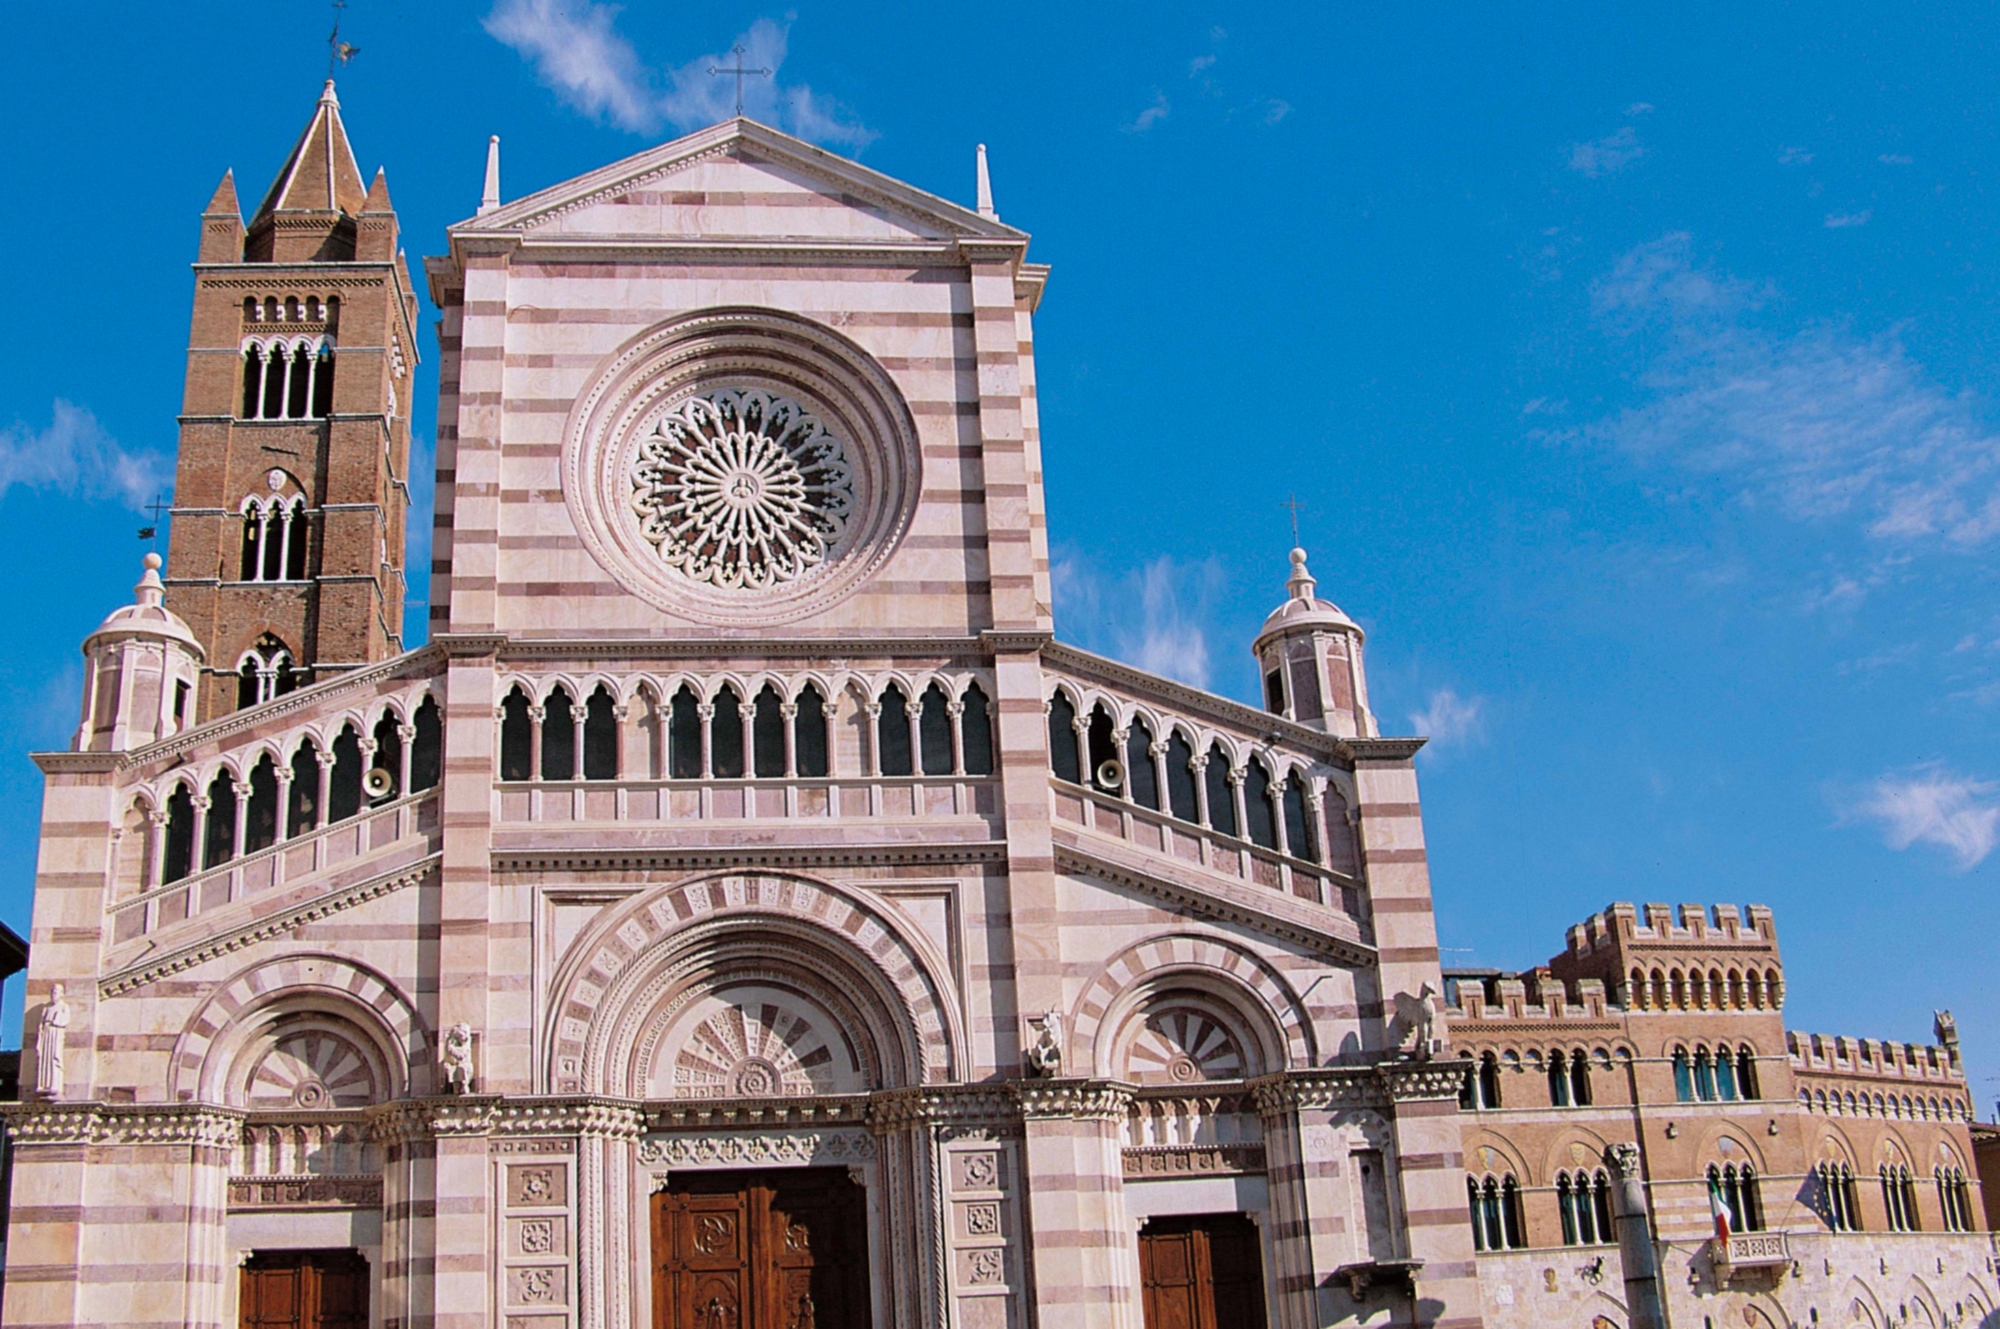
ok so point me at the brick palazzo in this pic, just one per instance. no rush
(743, 913)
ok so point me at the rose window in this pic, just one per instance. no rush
(742, 490)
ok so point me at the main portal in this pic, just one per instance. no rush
(783, 1249)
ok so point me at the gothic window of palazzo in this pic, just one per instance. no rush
(287, 380)
(1584, 1201)
(1955, 1198)
(264, 672)
(276, 533)
(1496, 1213)
(1683, 1077)
(1738, 1186)
(1746, 1072)
(1899, 1198)
(1569, 1079)
(1481, 1090)
(1838, 1203)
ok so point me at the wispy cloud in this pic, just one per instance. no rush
(1816, 424)
(74, 455)
(1794, 156)
(1840, 221)
(1152, 115)
(1607, 155)
(1932, 805)
(578, 53)
(1895, 159)
(1640, 108)
(1156, 617)
(1450, 719)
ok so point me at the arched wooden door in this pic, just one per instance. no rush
(323, 1289)
(784, 1249)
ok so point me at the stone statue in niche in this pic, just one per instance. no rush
(1044, 1055)
(1420, 1031)
(49, 1044)
(458, 1059)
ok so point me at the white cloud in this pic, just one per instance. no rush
(1199, 63)
(1151, 116)
(1794, 156)
(1607, 155)
(577, 52)
(1156, 617)
(1816, 424)
(1895, 159)
(1640, 108)
(75, 456)
(1933, 806)
(1840, 221)
(1450, 719)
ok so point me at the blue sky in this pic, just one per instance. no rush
(1634, 368)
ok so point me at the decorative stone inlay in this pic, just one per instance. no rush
(1183, 1045)
(754, 1049)
(740, 489)
(1196, 1160)
(320, 1191)
(795, 1148)
(312, 1069)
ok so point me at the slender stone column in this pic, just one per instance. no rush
(1078, 1227)
(1635, 1242)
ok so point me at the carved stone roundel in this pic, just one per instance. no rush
(741, 489)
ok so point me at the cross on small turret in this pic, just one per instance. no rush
(1293, 502)
(739, 70)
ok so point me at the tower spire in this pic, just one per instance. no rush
(489, 197)
(985, 189)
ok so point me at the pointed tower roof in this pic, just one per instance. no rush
(321, 175)
(1303, 609)
(223, 203)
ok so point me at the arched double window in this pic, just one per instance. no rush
(1955, 1198)
(276, 534)
(1496, 1213)
(1584, 1200)
(1838, 1203)
(287, 380)
(1722, 1076)
(264, 672)
(1481, 1091)
(1569, 1079)
(1899, 1198)
(1737, 1185)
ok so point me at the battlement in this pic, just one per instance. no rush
(1679, 926)
(1873, 1059)
(1537, 994)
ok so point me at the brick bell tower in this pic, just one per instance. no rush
(292, 485)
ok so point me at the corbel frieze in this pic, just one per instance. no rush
(193, 1124)
(1084, 1100)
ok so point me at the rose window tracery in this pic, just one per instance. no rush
(742, 489)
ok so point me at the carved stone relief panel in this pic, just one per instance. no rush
(984, 1225)
(537, 1257)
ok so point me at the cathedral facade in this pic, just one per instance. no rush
(741, 912)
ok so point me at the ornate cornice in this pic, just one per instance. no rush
(1152, 1162)
(995, 640)
(598, 1118)
(710, 1114)
(1329, 1088)
(1381, 749)
(701, 647)
(195, 1124)
(942, 1105)
(1408, 1081)
(307, 1191)
(1084, 1100)
(268, 928)
(759, 1148)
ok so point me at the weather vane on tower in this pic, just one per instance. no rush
(338, 52)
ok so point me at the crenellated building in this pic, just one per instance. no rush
(1845, 1166)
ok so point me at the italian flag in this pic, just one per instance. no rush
(1718, 1210)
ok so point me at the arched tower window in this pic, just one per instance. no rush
(1182, 800)
(725, 736)
(892, 734)
(1103, 748)
(600, 736)
(767, 734)
(260, 829)
(1064, 759)
(517, 741)
(809, 746)
(302, 814)
(179, 853)
(558, 736)
(1298, 828)
(218, 841)
(344, 792)
(975, 730)
(1142, 781)
(264, 672)
(684, 736)
(388, 755)
(934, 731)
(1263, 827)
(1221, 797)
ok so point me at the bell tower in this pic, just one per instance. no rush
(292, 487)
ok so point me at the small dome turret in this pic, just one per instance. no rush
(142, 664)
(1309, 653)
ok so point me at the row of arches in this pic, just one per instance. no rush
(287, 378)
(1723, 1075)
(1233, 794)
(1904, 1107)
(290, 309)
(1676, 989)
(727, 734)
(276, 534)
(195, 825)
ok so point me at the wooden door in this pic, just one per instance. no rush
(766, 1250)
(1204, 1272)
(325, 1289)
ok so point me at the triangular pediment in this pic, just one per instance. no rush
(738, 181)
